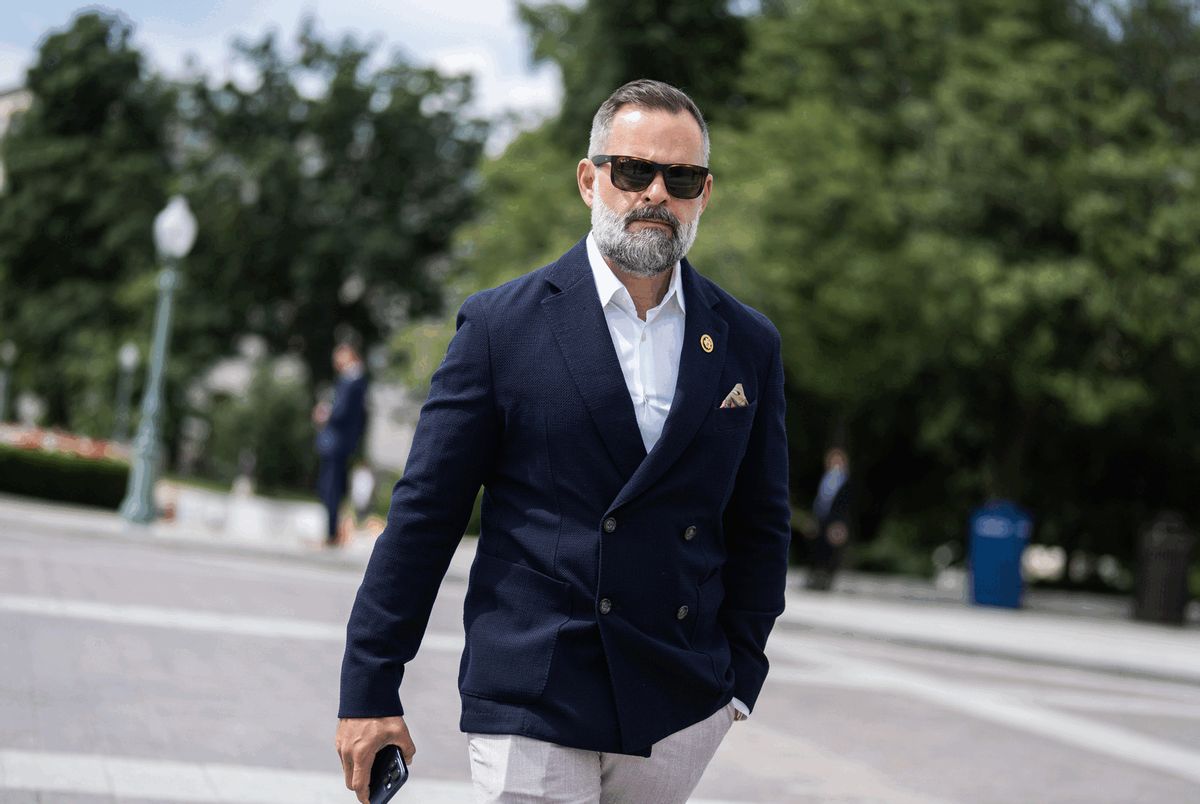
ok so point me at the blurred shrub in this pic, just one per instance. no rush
(898, 549)
(382, 502)
(268, 433)
(63, 478)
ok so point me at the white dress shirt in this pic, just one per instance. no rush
(648, 351)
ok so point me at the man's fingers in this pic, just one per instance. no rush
(404, 741)
(359, 781)
(359, 739)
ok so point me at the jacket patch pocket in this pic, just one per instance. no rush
(512, 618)
(734, 418)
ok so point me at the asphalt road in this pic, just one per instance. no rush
(145, 673)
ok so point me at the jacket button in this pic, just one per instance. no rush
(605, 605)
(610, 525)
(690, 533)
(682, 613)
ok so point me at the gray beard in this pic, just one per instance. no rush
(647, 252)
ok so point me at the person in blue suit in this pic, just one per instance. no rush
(831, 516)
(341, 425)
(624, 416)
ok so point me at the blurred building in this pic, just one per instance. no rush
(12, 102)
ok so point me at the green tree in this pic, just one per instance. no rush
(86, 171)
(529, 213)
(976, 235)
(1156, 47)
(598, 46)
(320, 212)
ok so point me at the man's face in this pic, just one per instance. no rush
(647, 231)
(342, 358)
(836, 459)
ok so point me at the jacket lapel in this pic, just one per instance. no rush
(695, 390)
(578, 323)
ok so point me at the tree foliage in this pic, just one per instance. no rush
(327, 185)
(326, 211)
(979, 240)
(86, 171)
(601, 44)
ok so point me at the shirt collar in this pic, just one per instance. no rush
(608, 286)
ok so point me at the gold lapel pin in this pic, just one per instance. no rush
(706, 342)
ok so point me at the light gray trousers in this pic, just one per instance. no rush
(510, 769)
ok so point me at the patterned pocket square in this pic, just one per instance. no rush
(736, 398)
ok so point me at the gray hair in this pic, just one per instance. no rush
(647, 94)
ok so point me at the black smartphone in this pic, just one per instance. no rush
(388, 774)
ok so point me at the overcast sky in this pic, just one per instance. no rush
(478, 36)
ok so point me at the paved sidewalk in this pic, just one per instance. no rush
(1109, 645)
(71, 520)
(1089, 632)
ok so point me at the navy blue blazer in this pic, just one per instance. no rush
(616, 597)
(347, 419)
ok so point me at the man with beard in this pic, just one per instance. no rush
(624, 416)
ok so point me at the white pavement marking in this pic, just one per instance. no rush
(114, 555)
(1116, 742)
(1112, 704)
(191, 620)
(939, 661)
(853, 678)
(1122, 646)
(168, 780)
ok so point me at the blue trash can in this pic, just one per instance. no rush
(1000, 530)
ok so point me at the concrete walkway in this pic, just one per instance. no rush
(1110, 645)
(1089, 632)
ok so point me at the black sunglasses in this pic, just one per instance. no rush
(634, 175)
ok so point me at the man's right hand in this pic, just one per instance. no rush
(358, 740)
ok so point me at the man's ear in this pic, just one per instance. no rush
(585, 177)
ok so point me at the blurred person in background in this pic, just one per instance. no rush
(831, 511)
(340, 427)
(625, 416)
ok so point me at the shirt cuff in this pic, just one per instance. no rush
(742, 708)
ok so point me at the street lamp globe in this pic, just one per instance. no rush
(175, 229)
(128, 356)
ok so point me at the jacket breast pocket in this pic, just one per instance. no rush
(725, 419)
(512, 618)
